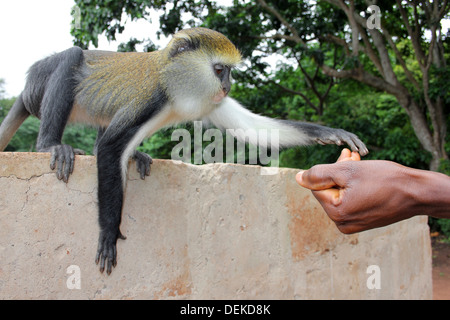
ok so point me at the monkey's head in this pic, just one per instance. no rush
(199, 63)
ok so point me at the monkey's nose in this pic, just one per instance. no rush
(226, 88)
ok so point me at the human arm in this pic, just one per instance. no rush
(362, 195)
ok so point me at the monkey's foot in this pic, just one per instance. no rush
(340, 137)
(106, 250)
(62, 158)
(143, 163)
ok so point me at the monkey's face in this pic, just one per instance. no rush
(198, 72)
(223, 73)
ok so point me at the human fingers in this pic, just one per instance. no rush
(330, 197)
(347, 155)
(316, 178)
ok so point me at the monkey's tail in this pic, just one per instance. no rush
(16, 116)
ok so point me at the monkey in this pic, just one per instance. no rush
(128, 97)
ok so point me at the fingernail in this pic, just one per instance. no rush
(299, 176)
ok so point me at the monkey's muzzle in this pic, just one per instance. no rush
(221, 95)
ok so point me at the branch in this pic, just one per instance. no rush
(278, 36)
(420, 56)
(382, 62)
(340, 74)
(364, 77)
(350, 12)
(443, 10)
(400, 59)
(431, 48)
(370, 52)
(310, 81)
(294, 92)
(336, 40)
(337, 3)
(283, 21)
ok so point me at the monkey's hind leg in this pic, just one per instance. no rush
(16, 116)
(56, 107)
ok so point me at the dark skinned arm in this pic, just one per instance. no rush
(362, 195)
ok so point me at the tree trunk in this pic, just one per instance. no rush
(422, 130)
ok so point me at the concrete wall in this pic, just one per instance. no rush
(195, 232)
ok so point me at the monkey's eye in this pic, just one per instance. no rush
(218, 68)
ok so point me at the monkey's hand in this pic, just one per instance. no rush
(340, 137)
(106, 251)
(143, 163)
(62, 158)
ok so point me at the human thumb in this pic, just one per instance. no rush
(315, 179)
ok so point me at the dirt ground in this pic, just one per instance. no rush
(441, 269)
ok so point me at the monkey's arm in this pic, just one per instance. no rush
(116, 145)
(143, 160)
(231, 115)
(112, 159)
(110, 194)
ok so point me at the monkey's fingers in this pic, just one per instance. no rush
(340, 137)
(358, 146)
(79, 152)
(106, 254)
(143, 163)
(107, 251)
(62, 158)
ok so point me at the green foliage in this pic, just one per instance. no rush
(80, 137)
(440, 225)
(159, 145)
(439, 84)
(2, 89)
(130, 46)
(25, 138)
(381, 123)
(444, 226)
(100, 16)
(445, 167)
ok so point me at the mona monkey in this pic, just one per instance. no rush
(128, 97)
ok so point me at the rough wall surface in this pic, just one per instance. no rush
(216, 231)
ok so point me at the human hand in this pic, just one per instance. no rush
(347, 155)
(361, 195)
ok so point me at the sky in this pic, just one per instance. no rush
(31, 30)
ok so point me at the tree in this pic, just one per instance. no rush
(402, 53)
(370, 50)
